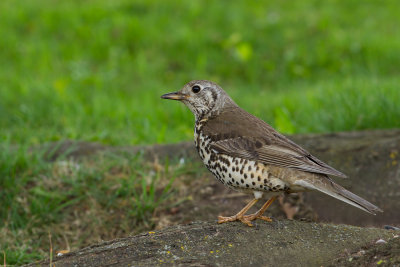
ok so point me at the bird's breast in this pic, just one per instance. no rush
(237, 173)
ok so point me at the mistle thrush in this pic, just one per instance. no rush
(248, 155)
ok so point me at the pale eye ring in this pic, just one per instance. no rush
(196, 89)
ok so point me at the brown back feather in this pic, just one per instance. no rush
(238, 133)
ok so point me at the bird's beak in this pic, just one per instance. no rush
(175, 96)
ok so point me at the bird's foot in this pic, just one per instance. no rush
(246, 219)
(255, 216)
(242, 218)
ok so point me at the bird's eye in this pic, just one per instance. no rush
(196, 89)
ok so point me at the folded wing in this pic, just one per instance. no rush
(273, 153)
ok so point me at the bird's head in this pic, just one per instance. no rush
(203, 98)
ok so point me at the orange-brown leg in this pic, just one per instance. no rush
(240, 215)
(260, 212)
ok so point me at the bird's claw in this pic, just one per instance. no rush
(222, 219)
(246, 219)
(254, 216)
(243, 219)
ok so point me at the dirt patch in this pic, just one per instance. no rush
(370, 158)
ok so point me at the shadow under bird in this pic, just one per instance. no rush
(248, 155)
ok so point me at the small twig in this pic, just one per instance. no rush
(51, 250)
(66, 241)
(4, 255)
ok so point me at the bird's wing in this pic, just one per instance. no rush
(243, 135)
(274, 152)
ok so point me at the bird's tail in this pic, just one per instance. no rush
(329, 187)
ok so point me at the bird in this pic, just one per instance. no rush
(248, 155)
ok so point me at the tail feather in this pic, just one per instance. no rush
(329, 187)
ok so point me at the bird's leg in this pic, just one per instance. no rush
(260, 212)
(240, 215)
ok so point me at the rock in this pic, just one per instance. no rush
(280, 243)
(384, 254)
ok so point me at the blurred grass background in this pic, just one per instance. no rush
(94, 70)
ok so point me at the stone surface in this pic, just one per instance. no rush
(280, 243)
(382, 253)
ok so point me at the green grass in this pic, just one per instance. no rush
(94, 70)
(78, 202)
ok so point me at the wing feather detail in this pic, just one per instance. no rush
(276, 155)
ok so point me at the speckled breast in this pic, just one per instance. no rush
(236, 173)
